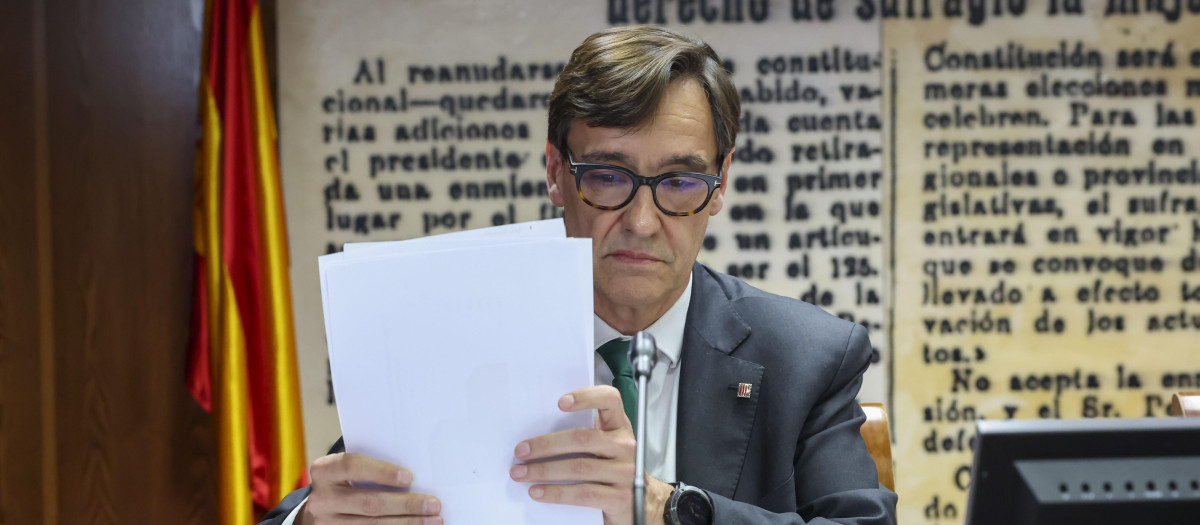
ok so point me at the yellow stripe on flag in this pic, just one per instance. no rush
(210, 170)
(288, 455)
(227, 348)
(231, 406)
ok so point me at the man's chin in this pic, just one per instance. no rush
(632, 291)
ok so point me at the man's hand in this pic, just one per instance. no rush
(604, 479)
(335, 500)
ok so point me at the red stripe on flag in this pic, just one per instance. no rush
(241, 230)
(199, 381)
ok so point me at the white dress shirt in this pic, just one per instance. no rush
(663, 387)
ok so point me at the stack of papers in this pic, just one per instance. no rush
(447, 351)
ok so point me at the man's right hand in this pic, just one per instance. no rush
(335, 500)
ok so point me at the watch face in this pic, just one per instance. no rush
(694, 510)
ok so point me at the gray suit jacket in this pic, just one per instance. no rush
(791, 453)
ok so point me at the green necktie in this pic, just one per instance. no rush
(616, 355)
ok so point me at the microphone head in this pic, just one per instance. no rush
(643, 353)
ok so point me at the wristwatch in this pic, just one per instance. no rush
(688, 505)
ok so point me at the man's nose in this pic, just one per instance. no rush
(642, 217)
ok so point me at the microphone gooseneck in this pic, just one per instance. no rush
(643, 354)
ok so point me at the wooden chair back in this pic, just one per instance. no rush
(878, 436)
(1185, 404)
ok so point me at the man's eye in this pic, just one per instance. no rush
(607, 177)
(681, 184)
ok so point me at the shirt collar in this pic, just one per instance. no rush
(667, 330)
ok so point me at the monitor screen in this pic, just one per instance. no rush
(1093, 471)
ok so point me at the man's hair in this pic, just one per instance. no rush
(617, 77)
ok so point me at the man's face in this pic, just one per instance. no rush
(641, 256)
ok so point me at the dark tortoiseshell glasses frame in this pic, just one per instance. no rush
(578, 169)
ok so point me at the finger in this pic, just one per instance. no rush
(347, 501)
(345, 468)
(602, 497)
(605, 399)
(591, 470)
(577, 441)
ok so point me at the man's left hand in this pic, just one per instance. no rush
(604, 478)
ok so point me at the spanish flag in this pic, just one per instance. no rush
(242, 363)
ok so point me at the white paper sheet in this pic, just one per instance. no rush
(444, 360)
(533, 230)
(508, 233)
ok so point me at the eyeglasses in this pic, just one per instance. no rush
(677, 193)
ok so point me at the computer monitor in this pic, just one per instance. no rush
(1092, 471)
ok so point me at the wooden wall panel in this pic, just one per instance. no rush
(21, 448)
(119, 128)
(122, 131)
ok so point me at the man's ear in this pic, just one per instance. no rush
(718, 198)
(554, 175)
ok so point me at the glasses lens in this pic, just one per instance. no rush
(604, 187)
(681, 194)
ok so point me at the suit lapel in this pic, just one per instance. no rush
(714, 422)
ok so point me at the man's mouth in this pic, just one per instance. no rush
(633, 257)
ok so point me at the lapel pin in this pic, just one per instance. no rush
(744, 390)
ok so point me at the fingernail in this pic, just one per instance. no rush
(519, 471)
(436, 520)
(405, 477)
(537, 492)
(432, 506)
(566, 401)
(523, 449)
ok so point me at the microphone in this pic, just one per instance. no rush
(643, 354)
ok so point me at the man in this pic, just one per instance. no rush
(753, 396)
